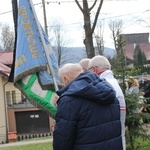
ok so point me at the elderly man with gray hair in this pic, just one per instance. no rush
(101, 66)
(81, 123)
(84, 63)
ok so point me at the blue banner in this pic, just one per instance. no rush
(36, 67)
(45, 78)
(29, 51)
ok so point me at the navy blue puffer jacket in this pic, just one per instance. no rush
(88, 116)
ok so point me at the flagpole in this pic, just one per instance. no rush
(45, 21)
(44, 45)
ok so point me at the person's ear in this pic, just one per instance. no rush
(95, 69)
(66, 80)
(61, 81)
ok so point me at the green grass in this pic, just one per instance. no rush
(39, 138)
(39, 146)
(141, 144)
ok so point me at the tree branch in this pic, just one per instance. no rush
(93, 5)
(96, 16)
(78, 4)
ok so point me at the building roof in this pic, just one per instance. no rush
(6, 57)
(129, 50)
(136, 38)
(4, 70)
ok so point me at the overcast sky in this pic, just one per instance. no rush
(132, 12)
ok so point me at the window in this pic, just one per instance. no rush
(8, 98)
(14, 97)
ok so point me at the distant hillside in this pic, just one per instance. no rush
(1, 50)
(75, 54)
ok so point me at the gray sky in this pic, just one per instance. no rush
(134, 13)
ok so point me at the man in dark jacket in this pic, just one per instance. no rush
(144, 86)
(81, 123)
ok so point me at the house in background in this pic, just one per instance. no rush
(17, 114)
(4, 73)
(142, 39)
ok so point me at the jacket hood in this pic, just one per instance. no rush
(89, 86)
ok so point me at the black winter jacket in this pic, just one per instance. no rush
(145, 86)
(88, 116)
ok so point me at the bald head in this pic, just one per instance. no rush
(99, 63)
(69, 72)
(84, 63)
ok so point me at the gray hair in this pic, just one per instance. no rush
(69, 69)
(101, 62)
(84, 63)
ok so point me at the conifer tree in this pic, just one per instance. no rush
(139, 57)
(134, 102)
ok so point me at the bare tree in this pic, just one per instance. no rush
(98, 34)
(144, 23)
(88, 27)
(115, 27)
(58, 37)
(7, 38)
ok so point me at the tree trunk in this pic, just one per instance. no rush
(88, 41)
(89, 46)
(89, 30)
(131, 142)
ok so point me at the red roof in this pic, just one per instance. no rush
(4, 70)
(6, 57)
(129, 50)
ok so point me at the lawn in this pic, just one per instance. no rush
(142, 145)
(39, 146)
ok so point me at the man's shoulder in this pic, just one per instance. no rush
(71, 99)
(148, 81)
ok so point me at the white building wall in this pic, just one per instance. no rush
(2, 113)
